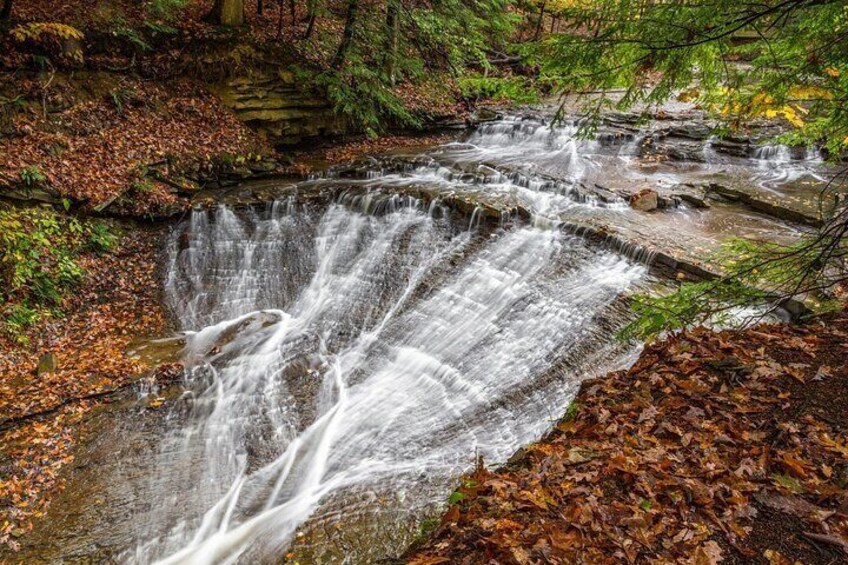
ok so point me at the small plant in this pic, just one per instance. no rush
(427, 527)
(18, 317)
(142, 186)
(161, 28)
(55, 39)
(122, 30)
(32, 176)
(571, 411)
(39, 251)
(101, 238)
(40, 31)
(120, 96)
(456, 497)
(511, 89)
(165, 9)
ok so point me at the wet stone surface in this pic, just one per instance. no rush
(354, 339)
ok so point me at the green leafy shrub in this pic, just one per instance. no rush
(505, 89)
(132, 36)
(32, 176)
(39, 250)
(362, 95)
(19, 317)
(56, 40)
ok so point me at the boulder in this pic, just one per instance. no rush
(645, 200)
(47, 363)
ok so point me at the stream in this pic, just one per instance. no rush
(354, 342)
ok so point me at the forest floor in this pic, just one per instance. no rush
(123, 120)
(715, 447)
(117, 301)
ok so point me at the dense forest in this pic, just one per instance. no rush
(230, 217)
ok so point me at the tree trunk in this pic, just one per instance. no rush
(347, 35)
(393, 31)
(227, 12)
(293, 12)
(260, 7)
(280, 20)
(6, 12)
(310, 26)
(539, 23)
(311, 14)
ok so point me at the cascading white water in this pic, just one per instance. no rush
(708, 152)
(530, 141)
(777, 166)
(351, 349)
(340, 355)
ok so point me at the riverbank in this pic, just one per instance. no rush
(715, 447)
(53, 372)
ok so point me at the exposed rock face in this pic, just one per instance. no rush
(274, 105)
(785, 209)
(645, 200)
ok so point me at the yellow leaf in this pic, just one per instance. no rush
(810, 93)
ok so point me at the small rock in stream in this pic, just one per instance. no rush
(645, 200)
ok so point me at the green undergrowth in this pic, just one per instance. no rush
(757, 278)
(362, 95)
(40, 250)
(515, 89)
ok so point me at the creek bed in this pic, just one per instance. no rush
(354, 342)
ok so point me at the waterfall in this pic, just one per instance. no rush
(708, 152)
(341, 354)
(354, 341)
(777, 166)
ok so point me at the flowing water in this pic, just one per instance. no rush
(348, 357)
(344, 356)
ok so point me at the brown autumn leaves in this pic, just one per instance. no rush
(713, 448)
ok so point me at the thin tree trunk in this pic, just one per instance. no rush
(280, 19)
(393, 28)
(292, 10)
(260, 7)
(311, 14)
(539, 23)
(347, 35)
(310, 26)
(6, 12)
(227, 12)
(214, 14)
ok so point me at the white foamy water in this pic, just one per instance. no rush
(348, 362)
(339, 356)
(777, 166)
